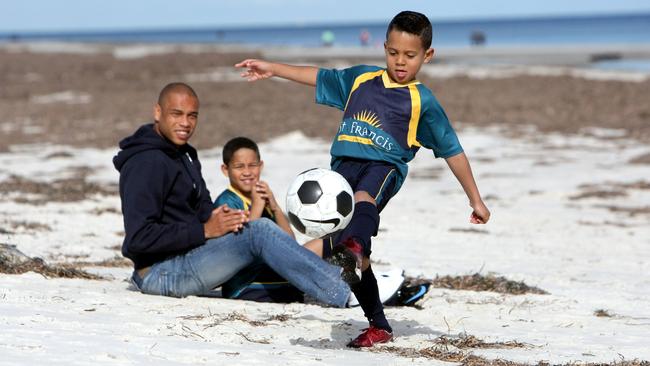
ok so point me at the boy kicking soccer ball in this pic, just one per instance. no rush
(387, 116)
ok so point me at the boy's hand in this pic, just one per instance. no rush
(224, 220)
(262, 188)
(480, 215)
(257, 196)
(256, 69)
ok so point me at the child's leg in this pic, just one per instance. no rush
(374, 187)
(364, 223)
(367, 294)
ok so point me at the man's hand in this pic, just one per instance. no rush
(480, 215)
(256, 69)
(224, 220)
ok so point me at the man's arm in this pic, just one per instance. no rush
(459, 165)
(260, 69)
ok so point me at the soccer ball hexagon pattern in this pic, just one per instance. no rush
(319, 202)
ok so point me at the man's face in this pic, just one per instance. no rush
(176, 118)
(404, 56)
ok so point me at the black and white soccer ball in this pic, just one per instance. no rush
(319, 202)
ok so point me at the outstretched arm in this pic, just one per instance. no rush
(260, 69)
(459, 165)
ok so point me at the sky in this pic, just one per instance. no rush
(89, 15)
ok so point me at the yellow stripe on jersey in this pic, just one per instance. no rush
(362, 79)
(411, 138)
(357, 139)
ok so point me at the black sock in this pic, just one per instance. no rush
(364, 224)
(367, 293)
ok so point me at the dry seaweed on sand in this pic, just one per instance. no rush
(440, 353)
(465, 341)
(116, 261)
(602, 313)
(12, 261)
(72, 189)
(478, 282)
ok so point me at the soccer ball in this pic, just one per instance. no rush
(319, 202)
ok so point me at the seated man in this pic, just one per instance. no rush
(179, 244)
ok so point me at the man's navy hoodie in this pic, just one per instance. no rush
(164, 198)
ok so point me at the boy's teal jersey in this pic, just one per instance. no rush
(384, 120)
(235, 199)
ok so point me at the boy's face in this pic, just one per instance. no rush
(243, 170)
(404, 56)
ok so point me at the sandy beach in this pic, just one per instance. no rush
(560, 152)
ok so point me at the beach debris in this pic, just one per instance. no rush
(630, 211)
(13, 261)
(470, 230)
(442, 353)
(116, 261)
(490, 282)
(464, 341)
(641, 159)
(10, 255)
(602, 313)
(73, 189)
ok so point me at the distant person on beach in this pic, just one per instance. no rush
(179, 244)
(477, 38)
(242, 165)
(387, 116)
(364, 37)
(327, 38)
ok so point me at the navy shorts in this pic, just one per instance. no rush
(378, 178)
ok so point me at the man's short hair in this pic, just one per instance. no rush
(176, 87)
(413, 23)
(231, 147)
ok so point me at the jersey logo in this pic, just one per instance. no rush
(330, 221)
(368, 117)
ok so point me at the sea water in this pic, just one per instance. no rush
(621, 29)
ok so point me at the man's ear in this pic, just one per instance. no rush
(261, 166)
(428, 55)
(157, 112)
(224, 170)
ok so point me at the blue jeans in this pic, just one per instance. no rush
(208, 266)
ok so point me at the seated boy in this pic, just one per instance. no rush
(243, 166)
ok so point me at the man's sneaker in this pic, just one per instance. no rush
(349, 256)
(370, 337)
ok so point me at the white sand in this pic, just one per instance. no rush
(585, 255)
